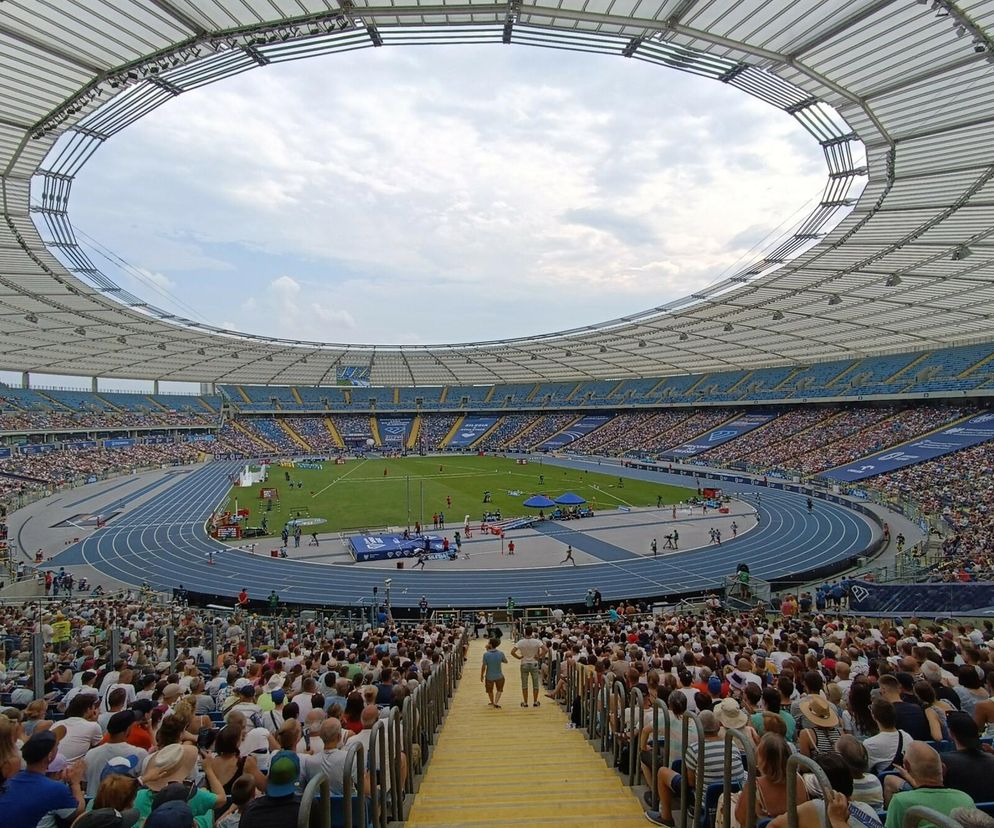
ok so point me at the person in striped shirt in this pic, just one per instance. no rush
(712, 768)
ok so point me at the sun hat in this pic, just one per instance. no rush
(168, 757)
(819, 712)
(731, 715)
(284, 770)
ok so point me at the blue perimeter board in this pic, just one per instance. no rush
(393, 545)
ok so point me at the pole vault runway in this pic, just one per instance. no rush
(164, 542)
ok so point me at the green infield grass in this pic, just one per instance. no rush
(377, 493)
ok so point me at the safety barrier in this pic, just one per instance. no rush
(919, 813)
(388, 772)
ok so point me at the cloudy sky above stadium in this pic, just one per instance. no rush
(442, 194)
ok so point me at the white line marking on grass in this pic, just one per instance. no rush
(333, 482)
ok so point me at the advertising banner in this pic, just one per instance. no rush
(961, 435)
(394, 430)
(719, 436)
(575, 431)
(471, 430)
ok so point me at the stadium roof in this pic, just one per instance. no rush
(898, 256)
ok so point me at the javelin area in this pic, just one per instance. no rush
(163, 541)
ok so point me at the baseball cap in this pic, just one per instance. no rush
(144, 706)
(107, 818)
(38, 746)
(278, 696)
(172, 814)
(284, 770)
(714, 685)
(246, 690)
(121, 721)
(119, 764)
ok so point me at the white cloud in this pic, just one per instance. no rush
(304, 313)
(451, 195)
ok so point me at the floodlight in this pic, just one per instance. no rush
(641, 343)
(834, 299)
(893, 281)
(961, 252)
(201, 352)
(81, 331)
(684, 337)
(728, 327)
(777, 316)
(603, 350)
(31, 318)
(122, 340)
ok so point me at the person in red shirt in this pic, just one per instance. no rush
(243, 598)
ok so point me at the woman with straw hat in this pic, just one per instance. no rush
(824, 730)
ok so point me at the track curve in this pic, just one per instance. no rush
(164, 542)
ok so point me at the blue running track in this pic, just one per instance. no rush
(164, 541)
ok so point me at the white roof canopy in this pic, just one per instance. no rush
(898, 255)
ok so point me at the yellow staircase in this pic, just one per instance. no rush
(294, 435)
(336, 438)
(252, 435)
(296, 395)
(412, 438)
(452, 431)
(374, 428)
(241, 392)
(496, 768)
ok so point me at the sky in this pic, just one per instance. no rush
(441, 194)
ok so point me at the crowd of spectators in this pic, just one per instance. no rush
(547, 425)
(68, 465)
(693, 426)
(757, 443)
(269, 432)
(14, 419)
(871, 702)
(434, 429)
(235, 739)
(903, 425)
(314, 432)
(629, 431)
(234, 441)
(959, 490)
(509, 426)
(352, 425)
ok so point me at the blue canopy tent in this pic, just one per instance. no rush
(569, 499)
(539, 502)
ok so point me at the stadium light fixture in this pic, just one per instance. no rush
(728, 327)
(835, 299)
(603, 350)
(961, 252)
(201, 352)
(893, 281)
(31, 318)
(777, 315)
(684, 337)
(641, 343)
(121, 340)
(81, 331)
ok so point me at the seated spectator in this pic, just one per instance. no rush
(969, 768)
(887, 749)
(811, 814)
(866, 786)
(31, 795)
(922, 770)
(821, 728)
(279, 807)
(772, 754)
(711, 765)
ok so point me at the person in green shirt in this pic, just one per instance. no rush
(165, 780)
(922, 785)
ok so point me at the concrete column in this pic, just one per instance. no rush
(38, 665)
(93, 384)
(25, 379)
(155, 387)
(115, 644)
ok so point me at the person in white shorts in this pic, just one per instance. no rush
(530, 651)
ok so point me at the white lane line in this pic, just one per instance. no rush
(337, 479)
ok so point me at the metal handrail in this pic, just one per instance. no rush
(689, 717)
(918, 813)
(616, 728)
(658, 705)
(307, 801)
(396, 737)
(749, 785)
(354, 763)
(794, 764)
(378, 771)
(636, 704)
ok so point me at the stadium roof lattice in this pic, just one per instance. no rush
(898, 255)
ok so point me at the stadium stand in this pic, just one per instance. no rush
(314, 432)
(434, 429)
(543, 428)
(509, 426)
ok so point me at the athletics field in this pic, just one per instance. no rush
(376, 492)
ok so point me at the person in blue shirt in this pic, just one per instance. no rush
(29, 795)
(492, 673)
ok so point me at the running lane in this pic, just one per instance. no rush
(164, 541)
